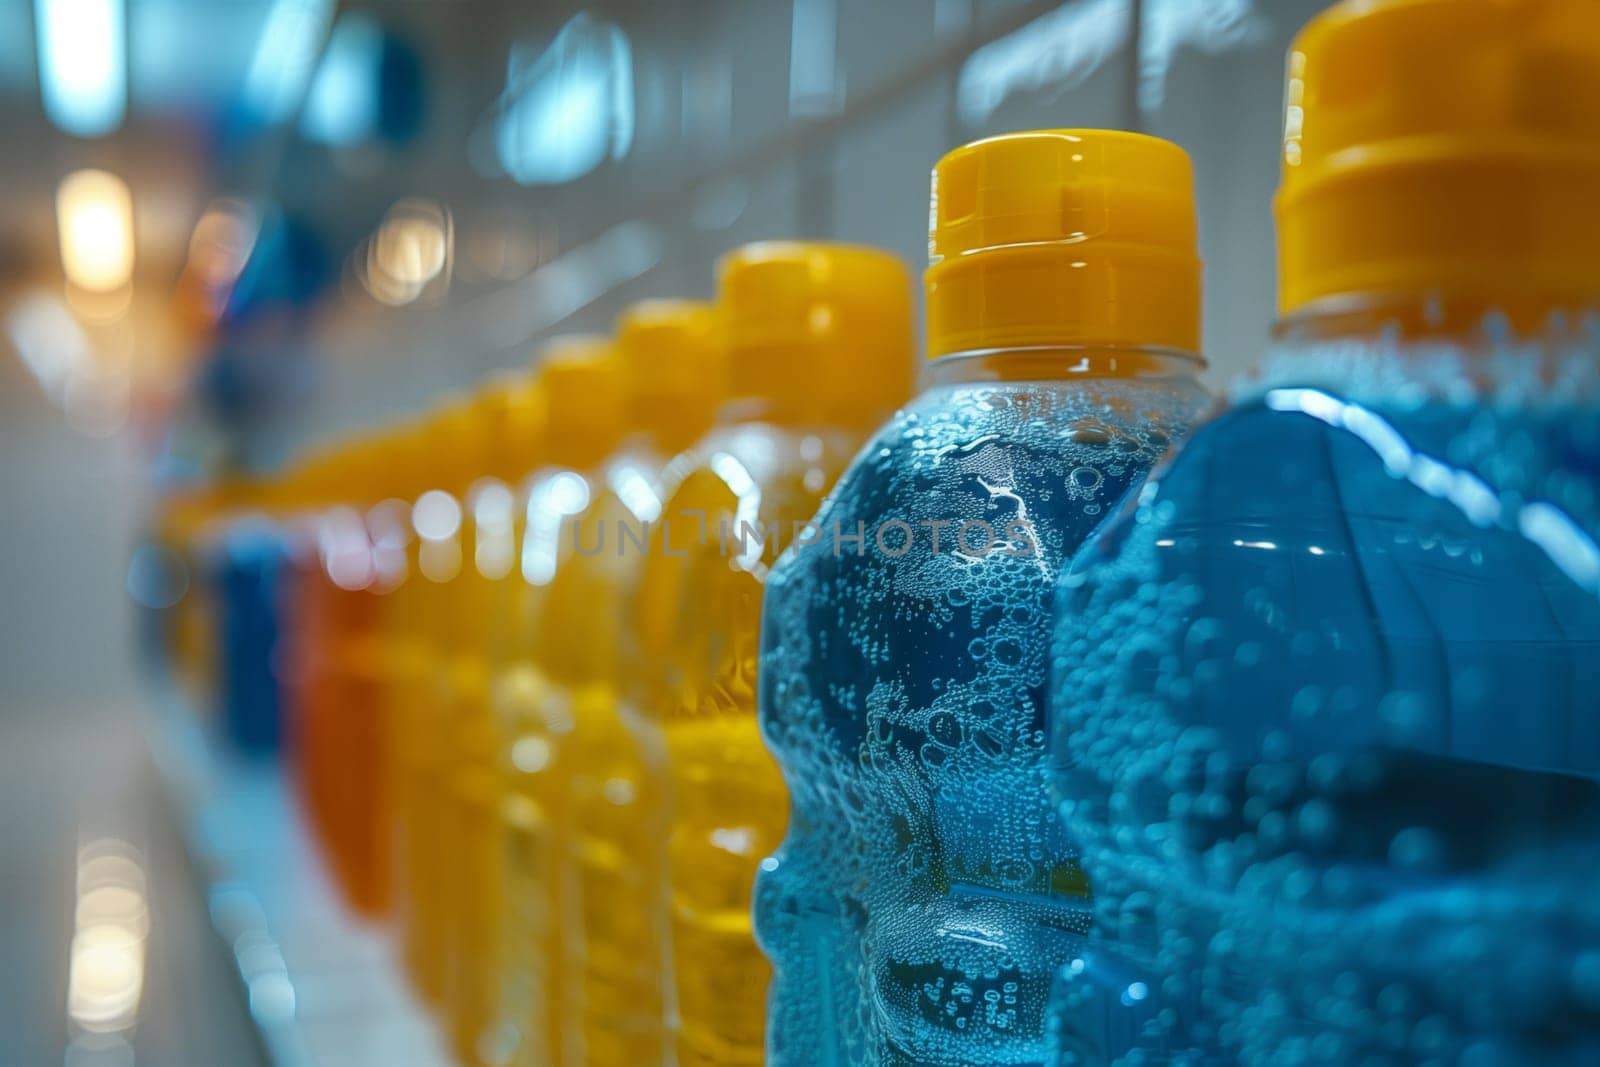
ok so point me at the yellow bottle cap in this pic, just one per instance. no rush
(335, 473)
(511, 408)
(398, 451)
(1442, 146)
(672, 357)
(1063, 237)
(299, 486)
(456, 437)
(390, 465)
(185, 513)
(355, 470)
(823, 328)
(279, 494)
(403, 452)
(584, 395)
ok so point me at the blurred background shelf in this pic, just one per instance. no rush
(319, 986)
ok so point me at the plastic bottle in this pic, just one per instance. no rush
(192, 624)
(541, 963)
(449, 453)
(923, 894)
(250, 574)
(306, 651)
(339, 709)
(819, 352)
(1324, 703)
(405, 665)
(669, 358)
(508, 413)
(174, 626)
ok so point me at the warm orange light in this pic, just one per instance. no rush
(105, 977)
(94, 211)
(410, 249)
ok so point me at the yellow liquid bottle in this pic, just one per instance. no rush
(819, 352)
(668, 354)
(404, 674)
(538, 962)
(507, 411)
(422, 690)
(191, 644)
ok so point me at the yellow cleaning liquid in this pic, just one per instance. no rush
(423, 691)
(819, 352)
(192, 644)
(405, 667)
(539, 962)
(481, 1029)
(610, 764)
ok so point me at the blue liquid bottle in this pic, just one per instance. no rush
(253, 559)
(1325, 711)
(917, 906)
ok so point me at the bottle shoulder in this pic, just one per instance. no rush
(1292, 453)
(1045, 417)
(1056, 456)
(1416, 561)
(756, 471)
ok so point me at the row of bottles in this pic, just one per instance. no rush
(702, 696)
(518, 655)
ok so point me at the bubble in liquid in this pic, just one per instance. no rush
(938, 893)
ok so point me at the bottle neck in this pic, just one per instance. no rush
(1464, 347)
(796, 411)
(1063, 363)
(1468, 319)
(670, 425)
(847, 383)
(579, 448)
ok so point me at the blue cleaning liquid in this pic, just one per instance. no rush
(250, 587)
(1326, 726)
(924, 894)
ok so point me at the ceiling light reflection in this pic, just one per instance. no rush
(94, 213)
(342, 105)
(83, 58)
(222, 241)
(106, 965)
(411, 250)
(282, 64)
(814, 82)
(570, 108)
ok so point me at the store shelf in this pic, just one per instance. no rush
(323, 988)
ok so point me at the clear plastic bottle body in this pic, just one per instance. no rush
(923, 893)
(740, 495)
(469, 847)
(528, 815)
(608, 769)
(418, 706)
(193, 626)
(1323, 714)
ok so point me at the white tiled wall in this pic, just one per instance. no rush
(718, 159)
